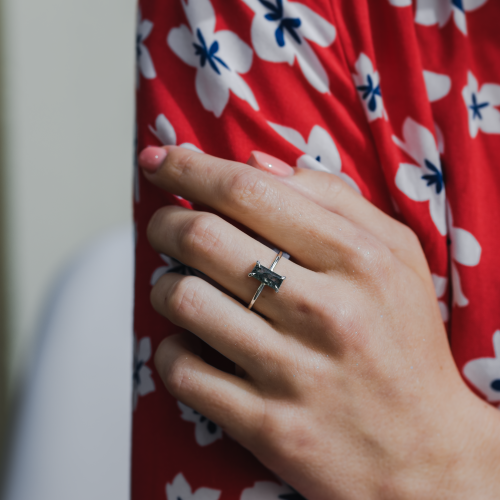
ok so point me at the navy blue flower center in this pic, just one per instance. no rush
(211, 427)
(495, 385)
(369, 93)
(138, 42)
(435, 178)
(207, 54)
(137, 369)
(290, 24)
(458, 4)
(476, 107)
(318, 159)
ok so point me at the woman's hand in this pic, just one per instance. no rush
(349, 389)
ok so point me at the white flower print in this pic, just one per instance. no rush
(280, 33)
(181, 490)
(145, 66)
(440, 284)
(400, 3)
(206, 432)
(219, 57)
(165, 133)
(173, 266)
(466, 251)
(437, 85)
(367, 82)
(425, 181)
(484, 373)
(321, 153)
(431, 12)
(142, 382)
(267, 490)
(480, 106)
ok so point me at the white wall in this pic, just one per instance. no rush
(69, 139)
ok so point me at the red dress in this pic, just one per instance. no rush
(399, 98)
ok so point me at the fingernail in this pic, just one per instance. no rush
(268, 163)
(151, 158)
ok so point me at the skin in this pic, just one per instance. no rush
(346, 386)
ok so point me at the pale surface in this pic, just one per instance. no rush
(68, 104)
(72, 433)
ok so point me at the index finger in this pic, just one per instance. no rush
(315, 237)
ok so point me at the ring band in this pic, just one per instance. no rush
(267, 277)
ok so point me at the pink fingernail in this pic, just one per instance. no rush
(151, 158)
(268, 163)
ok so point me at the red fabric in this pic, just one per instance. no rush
(400, 47)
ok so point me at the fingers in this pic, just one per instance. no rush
(226, 254)
(226, 325)
(314, 236)
(223, 398)
(332, 193)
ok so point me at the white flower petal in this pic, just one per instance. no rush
(458, 295)
(364, 68)
(146, 384)
(157, 274)
(144, 351)
(242, 90)
(496, 343)
(180, 40)
(350, 181)
(439, 138)
(443, 309)
(164, 131)
(308, 162)
(420, 143)
(200, 14)
(465, 249)
(437, 85)
(473, 4)
(440, 283)
(191, 147)
(437, 208)
(431, 12)
(144, 29)
(490, 92)
(179, 489)
(490, 122)
(311, 67)
(145, 63)
(460, 20)
(234, 51)
(313, 26)
(400, 3)
(290, 135)
(320, 144)
(212, 90)
(265, 490)
(409, 181)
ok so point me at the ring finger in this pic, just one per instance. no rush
(226, 254)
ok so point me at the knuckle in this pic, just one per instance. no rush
(374, 261)
(174, 375)
(246, 191)
(200, 234)
(183, 299)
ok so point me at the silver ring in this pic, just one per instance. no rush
(267, 277)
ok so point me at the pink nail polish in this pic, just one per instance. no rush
(268, 163)
(151, 158)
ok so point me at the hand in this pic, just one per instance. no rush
(349, 389)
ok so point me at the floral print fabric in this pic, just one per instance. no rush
(399, 98)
